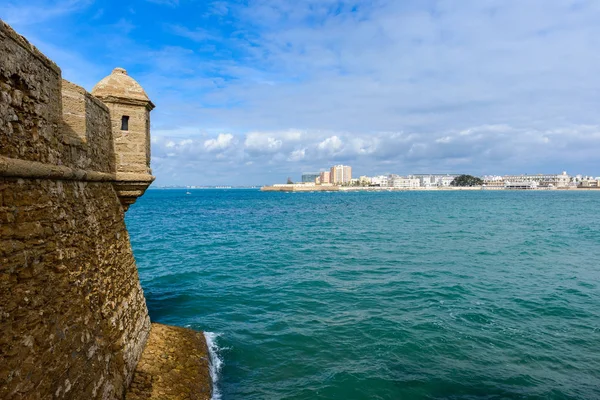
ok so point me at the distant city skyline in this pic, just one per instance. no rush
(247, 93)
(343, 177)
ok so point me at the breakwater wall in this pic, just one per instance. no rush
(299, 188)
(73, 318)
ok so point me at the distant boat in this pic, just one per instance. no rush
(188, 193)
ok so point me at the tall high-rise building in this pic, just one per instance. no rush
(325, 177)
(341, 174)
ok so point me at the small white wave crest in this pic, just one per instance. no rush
(216, 362)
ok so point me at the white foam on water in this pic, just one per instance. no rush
(216, 362)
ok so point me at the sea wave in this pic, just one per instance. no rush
(216, 362)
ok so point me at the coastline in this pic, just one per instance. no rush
(299, 188)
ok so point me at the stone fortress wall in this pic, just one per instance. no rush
(73, 318)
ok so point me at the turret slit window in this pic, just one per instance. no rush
(125, 123)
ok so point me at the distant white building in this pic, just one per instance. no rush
(431, 180)
(445, 180)
(493, 181)
(522, 185)
(397, 181)
(541, 180)
(381, 180)
(427, 180)
(589, 182)
(585, 181)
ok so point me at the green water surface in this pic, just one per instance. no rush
(407, 295)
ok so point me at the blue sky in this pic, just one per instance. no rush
(251, 92)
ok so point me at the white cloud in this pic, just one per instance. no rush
(297, 155)
(331, 144)
(222, 142)
(258, 142)
(272, 156)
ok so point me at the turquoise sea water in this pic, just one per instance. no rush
(406, 295)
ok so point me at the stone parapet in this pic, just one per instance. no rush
(7, 32)
(30, 104)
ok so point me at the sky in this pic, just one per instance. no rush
(252, 92)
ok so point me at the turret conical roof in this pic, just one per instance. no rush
(119, 85)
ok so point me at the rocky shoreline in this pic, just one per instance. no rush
(174, 365)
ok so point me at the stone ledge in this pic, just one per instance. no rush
(16, 168)
(129, 186)
(125, 100)
(174, 365)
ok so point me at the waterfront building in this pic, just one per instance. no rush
(427, 180)
(340, 174)
(397, 181)
(589, 182)
(446, 180)
(325, 177)
(541, 180)
(585, 181)
(520, 185)
(381, 181)
(295, 185)
(493, 181)
(310, 177)
(430, 180)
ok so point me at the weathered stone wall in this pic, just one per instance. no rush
(72, 314)
(73, 320)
